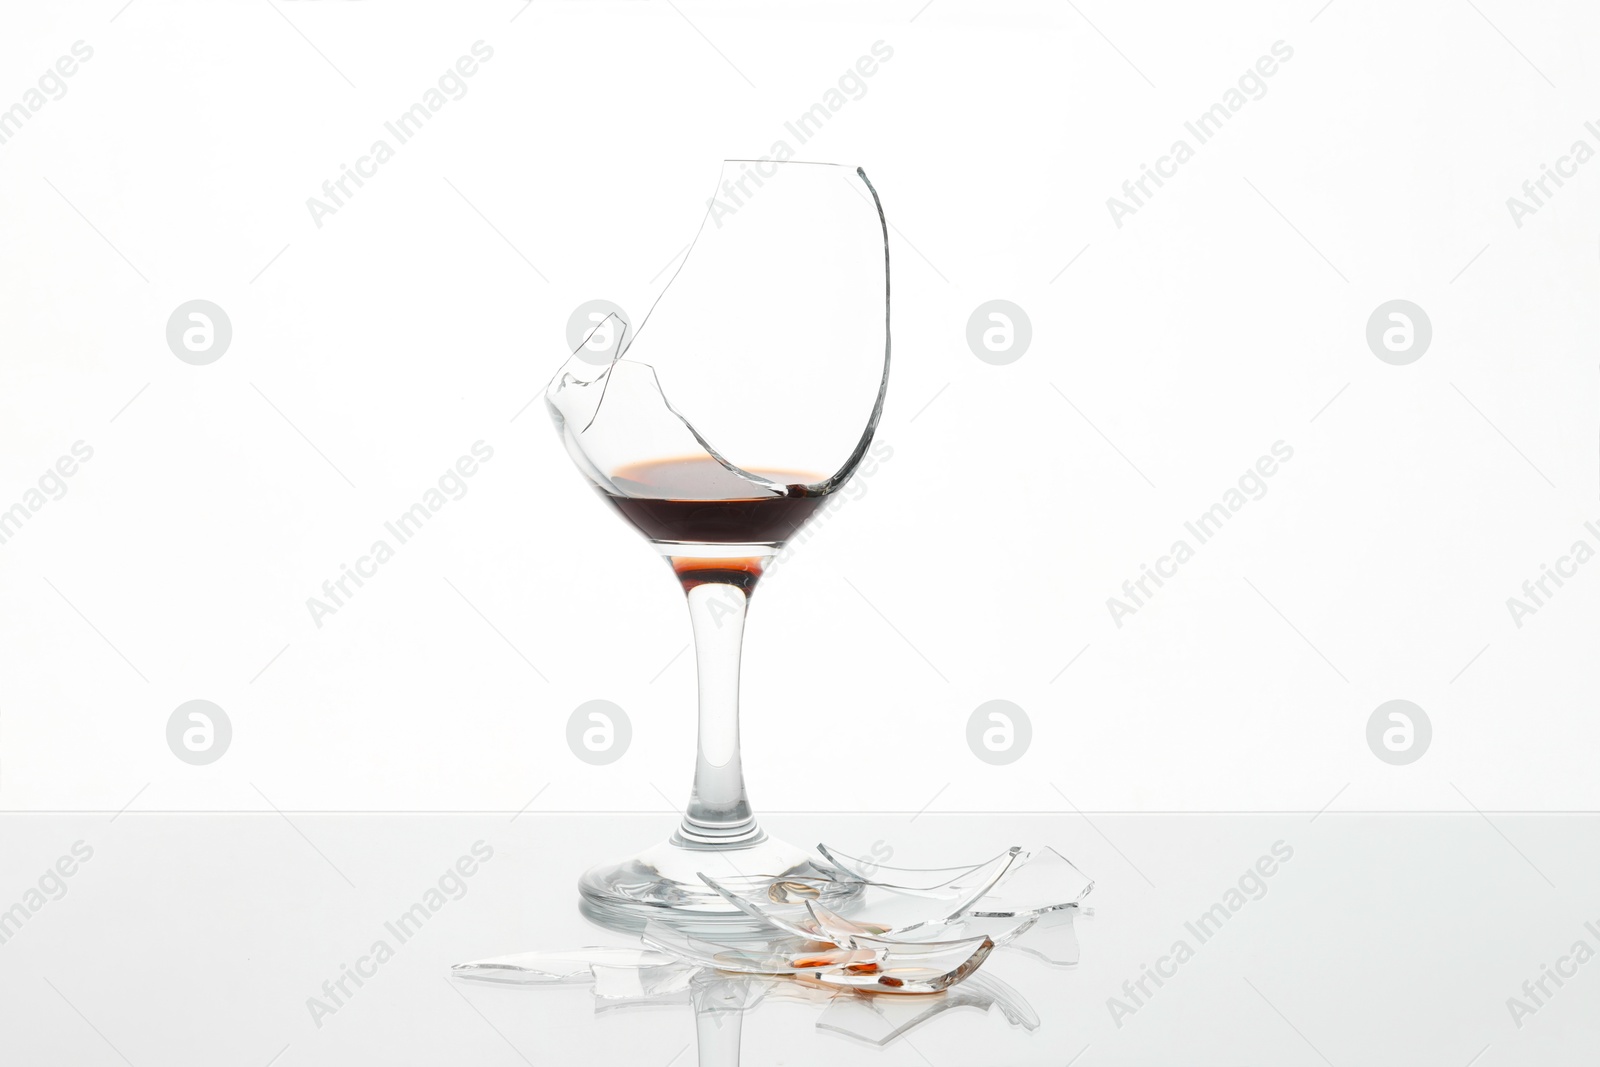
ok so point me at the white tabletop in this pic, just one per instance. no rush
(202, 939)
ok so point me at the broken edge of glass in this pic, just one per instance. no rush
(1038, 880)
(630, 395)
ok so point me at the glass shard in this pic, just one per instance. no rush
(887, 968)
(573, 967)
(905, 969)
(642, 981)
(1046, 881)
(918, 908)
(782, 955)
(933, 881)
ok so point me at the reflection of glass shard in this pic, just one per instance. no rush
(1051, 937)
(882, 1020)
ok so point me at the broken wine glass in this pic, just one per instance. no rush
(717, 428)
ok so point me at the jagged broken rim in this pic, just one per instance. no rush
(576, 393)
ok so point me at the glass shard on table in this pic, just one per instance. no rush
(918, 909)
(643, 982)
(932, 881)
(888, 968)
(847, 934)
(1046, 881)
(1037, 880)
(574, 967)
(781, 955)
(1028, 905)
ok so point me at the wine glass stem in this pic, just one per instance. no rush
(719, 814)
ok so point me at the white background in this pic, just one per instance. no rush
(1227, 314)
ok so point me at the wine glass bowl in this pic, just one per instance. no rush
(772, 342)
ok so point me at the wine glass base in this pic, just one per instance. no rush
(662, 884)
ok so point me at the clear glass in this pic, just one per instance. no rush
(746, 397)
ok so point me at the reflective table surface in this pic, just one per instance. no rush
(300, 938)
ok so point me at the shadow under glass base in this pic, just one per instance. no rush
(662, 884)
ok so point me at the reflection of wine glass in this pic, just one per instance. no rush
(773, 342)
